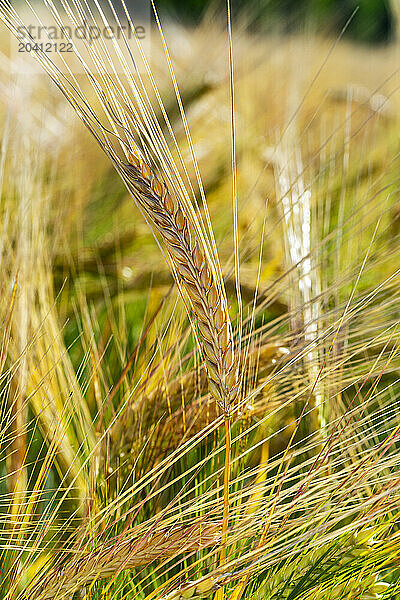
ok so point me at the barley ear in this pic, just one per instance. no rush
(195, 275)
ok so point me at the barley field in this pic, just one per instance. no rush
(200, 306)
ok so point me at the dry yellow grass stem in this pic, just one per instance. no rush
(124, 554)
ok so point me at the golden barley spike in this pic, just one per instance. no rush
(194, 275)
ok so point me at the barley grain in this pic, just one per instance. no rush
(125, 554)
(194, 274)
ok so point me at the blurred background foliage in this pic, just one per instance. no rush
(373, 21)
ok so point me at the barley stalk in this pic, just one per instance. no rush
(295, 197)
(194, 275)
(124, 554)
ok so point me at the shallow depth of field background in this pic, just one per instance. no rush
(87, 326)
